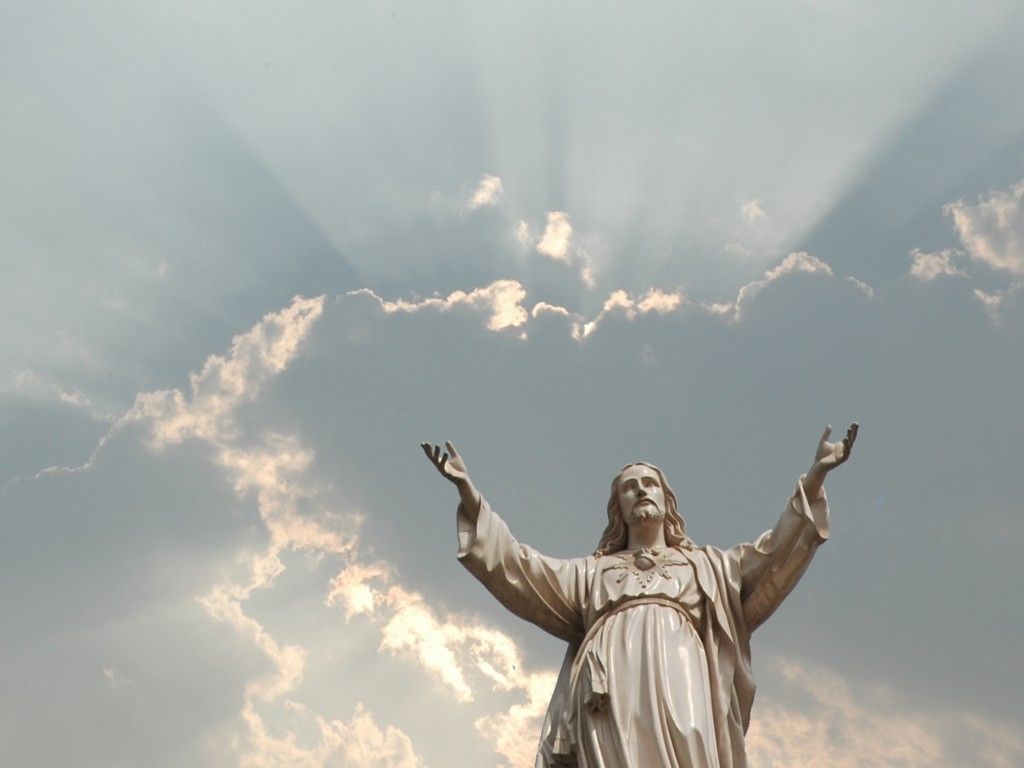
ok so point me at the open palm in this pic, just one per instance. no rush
(449, 463)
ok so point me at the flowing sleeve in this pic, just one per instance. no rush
(543, 590)
(771, 567)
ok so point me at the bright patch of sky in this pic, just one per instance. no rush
(254, 255)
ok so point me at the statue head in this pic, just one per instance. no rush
(640, 491)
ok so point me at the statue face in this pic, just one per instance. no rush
(641, 496)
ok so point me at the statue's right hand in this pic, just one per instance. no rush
(449, 464)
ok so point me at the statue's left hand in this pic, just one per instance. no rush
(828, 457)
(449, 464)
(831, 455)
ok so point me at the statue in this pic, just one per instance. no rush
(657, 672)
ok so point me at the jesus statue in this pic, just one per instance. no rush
(657, 673)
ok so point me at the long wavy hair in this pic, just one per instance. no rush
(616, 535)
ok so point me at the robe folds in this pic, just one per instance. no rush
(657, 672)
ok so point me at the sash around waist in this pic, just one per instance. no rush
(625, 605)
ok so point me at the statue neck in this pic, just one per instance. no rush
(649, 534)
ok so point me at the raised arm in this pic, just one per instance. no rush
(771, 567)
(543, 590)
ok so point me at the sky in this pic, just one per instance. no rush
(254, 254)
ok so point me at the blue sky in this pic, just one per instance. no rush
(255, 254)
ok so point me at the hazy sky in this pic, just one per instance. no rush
(254, 253)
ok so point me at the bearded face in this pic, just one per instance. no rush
(641, 495)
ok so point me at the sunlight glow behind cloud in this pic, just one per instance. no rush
(554, 243)
(488, 192)
(841, 729)
(992, 230)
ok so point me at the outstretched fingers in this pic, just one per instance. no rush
(851, 436)
(434, 454)
(823, 442)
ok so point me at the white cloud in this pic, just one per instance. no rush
(654, 300)
(992, 231)
(359, 588)
(116, 678)
(503, 298)
(275, 470)
(32, 385)
(542, 307)
(868, 727)
(514, 733)
(587, 276)
(358, 743)
(861, 286)
(224, 603)
(928, 266)
(415, 631)
(465, 656)
(224, 382)
(523, 233)
(488, 192)
(793, 263)
(554, 243)
(993, 302)
(752, 211)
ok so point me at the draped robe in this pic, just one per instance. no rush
(657, 672)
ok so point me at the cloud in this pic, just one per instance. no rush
(869, 727)
(554, 243)
(357, 743)
(275, 469)
(752, 211)
(225, 382)
(488, 192)
(793, 263)
(587, 276)
(655, 300)
(358, 588)
(523, 233)
(992, 230)
(116, 678)
(503, 298)
(32, 385)
(994, 302)
(514, 733)
(224, 603)
(861, 286)
(450, 647)
(542, 307)
(928, 266)
(465, 656)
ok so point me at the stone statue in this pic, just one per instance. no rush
(657, 673)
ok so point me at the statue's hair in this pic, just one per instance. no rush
(616, 535)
